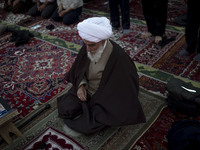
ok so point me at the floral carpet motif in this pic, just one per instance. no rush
(184, 66)
(152, 85)
(164, 57)
(145, 50)
(53, 139)
(33, 73)
(49, 62)
(112, 138)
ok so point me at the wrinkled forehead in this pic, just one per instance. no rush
(91, 43)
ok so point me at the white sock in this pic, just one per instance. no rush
(70, 132)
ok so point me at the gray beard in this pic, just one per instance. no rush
(95, 57)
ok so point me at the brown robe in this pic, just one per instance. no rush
(115, 103)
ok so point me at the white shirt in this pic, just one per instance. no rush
(43, 1)
(70, 3)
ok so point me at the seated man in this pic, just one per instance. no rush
(68, 11)
(105, 83)
(45, 8)
(18, 6)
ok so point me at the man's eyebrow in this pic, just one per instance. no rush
(90, 44)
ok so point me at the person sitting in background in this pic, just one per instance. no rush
(45, 8)
(105, 83)
(18, 6)
(68, 11)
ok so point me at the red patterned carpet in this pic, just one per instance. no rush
(154, 138)
(55, 140)
(33, 73)
(145, 51)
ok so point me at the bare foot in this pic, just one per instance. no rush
(147, 35)
(158, 39)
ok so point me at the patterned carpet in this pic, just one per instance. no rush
(155, 137)
(53, 139)
(165, 57)
(108, 139)
(32, 75)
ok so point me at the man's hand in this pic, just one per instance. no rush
(38, 4)
(41, 7)
(82, 93)
(61, 13)
(9, 3)
(15, 2)
(60, 8)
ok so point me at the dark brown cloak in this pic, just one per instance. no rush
(116, 101)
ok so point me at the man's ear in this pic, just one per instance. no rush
(103, 42)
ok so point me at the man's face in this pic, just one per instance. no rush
(92, 47)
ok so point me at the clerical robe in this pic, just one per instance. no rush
(115, 102)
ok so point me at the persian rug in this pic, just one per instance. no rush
(32, 74)
(155, 135)
(107, 139)
(141, 50)
(144, 51)
(53, 139)
(23, 71)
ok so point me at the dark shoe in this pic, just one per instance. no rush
(165, 40)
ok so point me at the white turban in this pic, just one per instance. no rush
(95, 29)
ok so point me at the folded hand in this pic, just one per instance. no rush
(82, 93)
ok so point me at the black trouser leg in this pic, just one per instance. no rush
(114, 13)
(192, 26)
(125, 11)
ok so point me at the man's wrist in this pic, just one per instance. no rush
(82, 85)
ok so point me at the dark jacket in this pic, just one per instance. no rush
(116, 101)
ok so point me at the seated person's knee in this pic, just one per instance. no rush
(44, 16)
(31, 13)
(69, 111)
(54, 18)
